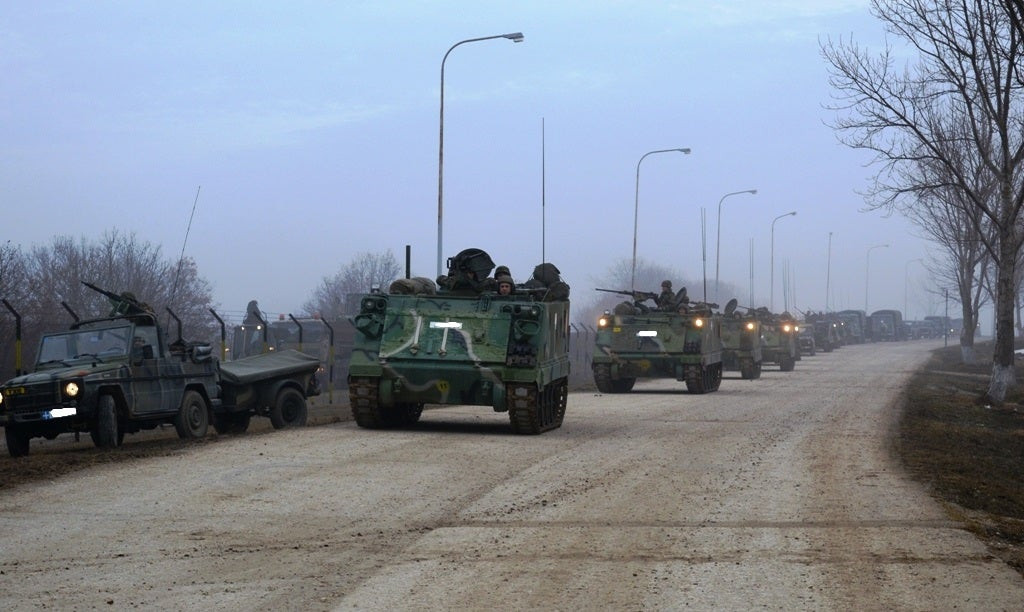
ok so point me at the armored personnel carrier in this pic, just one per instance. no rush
(779, 339)
(681, 340)
(741, 342)
(463, 343)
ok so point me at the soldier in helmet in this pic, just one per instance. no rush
(667, 299)
(505, 284)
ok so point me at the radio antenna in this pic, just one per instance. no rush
(181, 257)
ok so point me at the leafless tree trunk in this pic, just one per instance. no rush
(964, 93)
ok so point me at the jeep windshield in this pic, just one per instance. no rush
(102, 344)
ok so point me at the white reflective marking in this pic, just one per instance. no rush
(648, 334)
(446, 325)
(57, 413)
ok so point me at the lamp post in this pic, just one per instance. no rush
(514, 37)
(636, 207)
(867, 270)
(718, 238)
(828, 269)
(771, 301)
(906, 271)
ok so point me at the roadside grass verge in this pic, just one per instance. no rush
(970, 455)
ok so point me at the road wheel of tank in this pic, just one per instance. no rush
(17, 440)
(289, 409)
(106, 433)
(603, 378)
(193, 417)
(747, 369)
(406, 414)
(757, 370)
(362, 397)
(531, 412)
(787, 363)
(231, 423)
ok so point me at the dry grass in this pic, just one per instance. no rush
(969, 454)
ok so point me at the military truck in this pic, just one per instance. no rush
(681, 340)
(741, 342)
(120, 374)
(887, 325)
(779, 339)
(463, 343)
(855, 325)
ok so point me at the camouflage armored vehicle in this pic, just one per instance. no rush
(681, 340)
(741, 343)
(463, 344)
(779, 339)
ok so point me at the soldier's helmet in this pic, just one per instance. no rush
(504, 279)
(666, 284)
(502, 271)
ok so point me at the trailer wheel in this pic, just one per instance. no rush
(105, 432)
(17, 440)
(289, 409)
(193, 417)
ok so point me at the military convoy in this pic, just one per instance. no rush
(463, 343)
(122, 374)
(679, 340)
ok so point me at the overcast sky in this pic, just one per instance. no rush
(312, 129)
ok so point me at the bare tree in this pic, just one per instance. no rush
(964, 93)
(14, 286)
(365, 271)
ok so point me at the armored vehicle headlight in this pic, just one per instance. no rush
(786, 328)
(602, 322)
(71, 389)
(750, 325)
(796, 328)
(698, 322)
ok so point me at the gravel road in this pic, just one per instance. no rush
(779, 493)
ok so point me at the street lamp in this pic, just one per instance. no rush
(636, 207)
(514, 37)
(906, 271)
(718, 238)
(867, 269)
(771, 302)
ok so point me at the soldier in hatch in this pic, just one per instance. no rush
(667, 299)
(505, 285)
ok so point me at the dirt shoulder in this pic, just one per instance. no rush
(970, 455)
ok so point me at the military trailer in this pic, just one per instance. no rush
(779, 339)
(741, 342)
(120, 374)
(681, 340)
(464, 343)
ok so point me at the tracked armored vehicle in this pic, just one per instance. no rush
(463, 344)
(681, 341)
(741, 342)
(779, 339)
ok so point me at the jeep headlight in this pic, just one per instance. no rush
(71, 389)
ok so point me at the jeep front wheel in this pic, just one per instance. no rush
(193, 416)
(105, 431)
(17, 440)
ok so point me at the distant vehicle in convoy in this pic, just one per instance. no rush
(681, 340)
(855, 324)
(887, 325)
(805, 340)
(943, 325)
(741, 342)
(119, 374)
(463, 343)
(779, 339)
